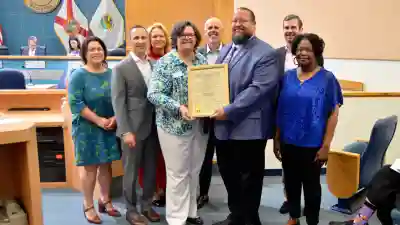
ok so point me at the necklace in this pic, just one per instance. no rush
(303, 76)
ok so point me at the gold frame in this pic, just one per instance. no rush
(192, 71)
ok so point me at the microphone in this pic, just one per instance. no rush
(30, 82)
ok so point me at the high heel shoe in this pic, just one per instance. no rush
(95, 220)
(111, 212)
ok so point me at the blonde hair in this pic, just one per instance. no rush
(166, 34)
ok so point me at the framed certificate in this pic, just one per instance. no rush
(208, 89)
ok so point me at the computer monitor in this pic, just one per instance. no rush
(4, 50)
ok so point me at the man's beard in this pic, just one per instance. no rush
(241, 39)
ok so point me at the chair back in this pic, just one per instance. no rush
(41, 48)
(12, 79)
(373, 157)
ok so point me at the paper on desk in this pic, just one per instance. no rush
(4, 121)
(35, 64)
(396, 165)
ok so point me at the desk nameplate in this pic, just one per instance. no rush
(35, 64)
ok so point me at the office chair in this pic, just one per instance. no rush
(42, 48)
(12, 79)
(4, 50)
(117, 52)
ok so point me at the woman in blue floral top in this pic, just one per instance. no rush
(182, 141)
(93, 127)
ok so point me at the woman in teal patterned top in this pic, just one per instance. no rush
(93, 126)
(183, 142)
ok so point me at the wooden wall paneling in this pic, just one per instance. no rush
(148, 12)
(223, 9)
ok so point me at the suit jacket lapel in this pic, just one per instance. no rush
(282, 58)
(136, 71)
(242, 52)
(224, 52)
(238, 56)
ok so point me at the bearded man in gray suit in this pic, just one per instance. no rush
(136, 126)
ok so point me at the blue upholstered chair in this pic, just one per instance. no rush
(372, 154)
(12, 79)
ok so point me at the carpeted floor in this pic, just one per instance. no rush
(64, 207)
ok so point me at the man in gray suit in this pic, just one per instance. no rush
(244, 126)
(136, 126)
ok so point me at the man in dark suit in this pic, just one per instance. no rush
(33, 49)
(244, 126)
(213, 29)
(292, 25)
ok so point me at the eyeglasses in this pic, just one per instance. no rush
(187, 35)
(240, 21)
(96, 50)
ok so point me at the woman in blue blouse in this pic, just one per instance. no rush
(93, 126)
(308, 109)
(181, 138)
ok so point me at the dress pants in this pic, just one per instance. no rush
(383, 191)
(301, 170)
(183, 157)
(241, 164)
(206, 169)
(144, 155)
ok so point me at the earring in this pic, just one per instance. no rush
(295, 61)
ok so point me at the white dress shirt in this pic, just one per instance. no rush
(32, 52)
(289, 60)
(144, 67)
(212, 56)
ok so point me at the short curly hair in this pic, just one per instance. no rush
(317, 43)
(178, 29)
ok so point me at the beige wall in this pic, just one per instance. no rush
(356, 29)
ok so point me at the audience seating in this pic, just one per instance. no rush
(117, 52)
(4, 50)
(12, 79)
(371, 156)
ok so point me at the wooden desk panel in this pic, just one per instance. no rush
(19, 166)
(31, 99)
(52, 118)
(41, 119)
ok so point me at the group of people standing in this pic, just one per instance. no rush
(283, 94)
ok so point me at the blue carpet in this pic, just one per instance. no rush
(64, 207)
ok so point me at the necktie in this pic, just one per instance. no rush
(230, 55)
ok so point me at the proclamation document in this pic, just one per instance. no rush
(208, 89)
